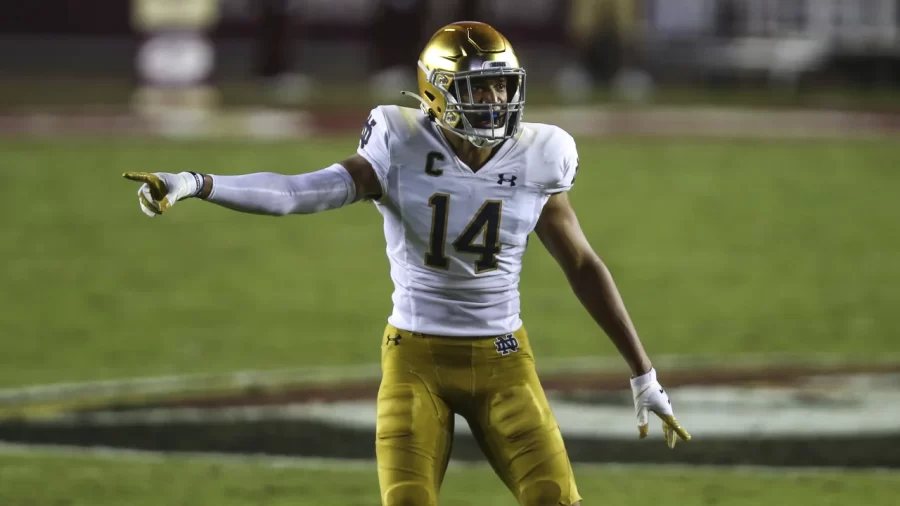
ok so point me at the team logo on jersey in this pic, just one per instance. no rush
(367, 132)
(395, 340)
(506, 344)
(503, 179)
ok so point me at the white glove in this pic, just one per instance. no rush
(649, 396)
(161, 190)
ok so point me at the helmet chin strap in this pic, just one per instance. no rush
(482, 142)
(413, 95)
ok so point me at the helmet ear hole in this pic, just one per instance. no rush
(429, 95)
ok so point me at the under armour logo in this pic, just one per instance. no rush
(395, 340)
(506, 344)
(503, 179)
(366, 132)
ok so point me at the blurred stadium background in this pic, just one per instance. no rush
(740, 172)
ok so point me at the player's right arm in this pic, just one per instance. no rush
(268, 193)
(355, 178)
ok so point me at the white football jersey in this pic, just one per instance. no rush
(455, 238)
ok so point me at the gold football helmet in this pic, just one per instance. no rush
(456, 55)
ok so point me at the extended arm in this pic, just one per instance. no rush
(343, 183)
(560, 232)
(276, 194)
(353, 179)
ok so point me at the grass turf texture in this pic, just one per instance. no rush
(60, 93)
(179, 481)
(719, 247)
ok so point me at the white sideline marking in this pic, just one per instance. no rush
(846, 405)
(274, 461)
(262, 378)
(866, 408)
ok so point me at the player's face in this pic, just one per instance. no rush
(486, 90)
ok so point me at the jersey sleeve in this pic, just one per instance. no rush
(561, 155)
(374, 145)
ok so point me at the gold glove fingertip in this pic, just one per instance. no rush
(643, 430)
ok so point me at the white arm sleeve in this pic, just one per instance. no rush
(278, 194)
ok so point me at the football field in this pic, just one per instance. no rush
(721, 249)
(180, 481)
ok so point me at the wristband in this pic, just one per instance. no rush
(198, 178)
(643, 380)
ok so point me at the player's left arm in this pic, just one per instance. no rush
(560, 232)
(591, 281)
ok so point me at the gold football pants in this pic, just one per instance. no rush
(492, 383)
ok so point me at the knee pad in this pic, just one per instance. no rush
(408, 494)
(542, 493)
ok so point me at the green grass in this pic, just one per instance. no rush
(65, 92)
(176, 481)
(718, 247)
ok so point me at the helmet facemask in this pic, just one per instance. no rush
(484, 124)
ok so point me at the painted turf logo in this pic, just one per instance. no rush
(257, 413)
(506, 344)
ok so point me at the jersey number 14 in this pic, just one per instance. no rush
(485, 224)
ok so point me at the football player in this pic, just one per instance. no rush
(461, 182)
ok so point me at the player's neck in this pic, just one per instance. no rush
(468, 153)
